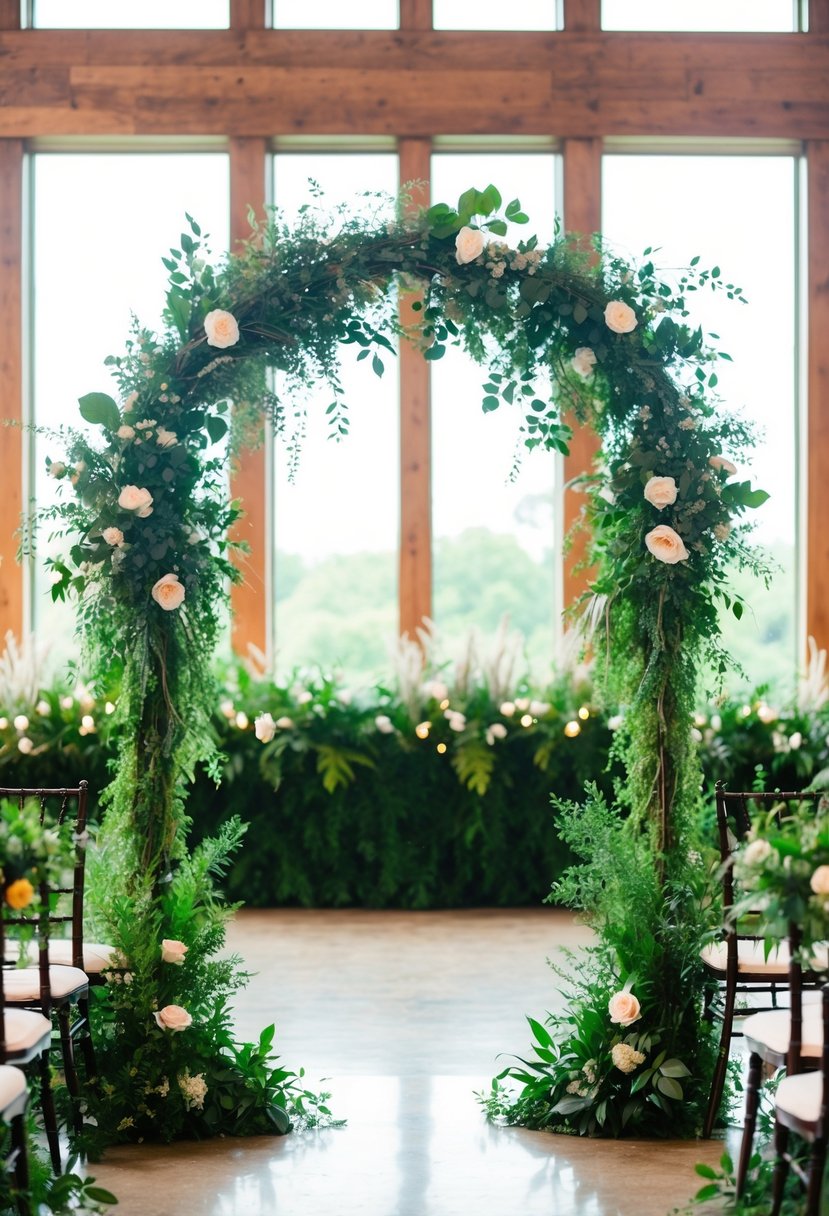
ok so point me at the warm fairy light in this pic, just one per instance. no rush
(242, 720)
(572, 729)
(21, 722)
(422, 730)
(109, 707)
(527, 719)
(444, 703)
(441, 748)
(88, 722)
(584, 713)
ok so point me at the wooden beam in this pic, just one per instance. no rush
(413, 83)
(415, 14)
(250, 599)
(818, 17)
(11, 383)
(415, 558)
(583, 16)
(247, 14)
(9, 14)
(582, 214)
(817, 427)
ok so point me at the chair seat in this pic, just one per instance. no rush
(12, 1091)
(24, 1029)
(771, 1031)
(751, 957)
(800, 1096)
(22, 984)
(97, 956)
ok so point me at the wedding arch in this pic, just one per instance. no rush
(150, 559)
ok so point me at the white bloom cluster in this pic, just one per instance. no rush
(625, 1057)
(193, 1089)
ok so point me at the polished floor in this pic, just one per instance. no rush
(404, 1014)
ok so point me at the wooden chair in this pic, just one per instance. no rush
(14, 1098)
(738, 960)
(802, 1106)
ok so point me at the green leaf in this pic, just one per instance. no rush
(279, 1118)
(674, 1068)
(377, 365)
(707, 1192)
(496, 226)
(100, 410)
(434, 352)
(705, 1171)
(215, 427)
(98, 1194)
(669, 1087)
(489, 404)
(541, 1032)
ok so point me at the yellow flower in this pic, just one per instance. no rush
(20, 893)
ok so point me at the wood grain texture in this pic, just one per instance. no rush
(413, 83)
(415, 14)
(9, 14)
(11, 384)
(247, 14)
(582, 214)
(817, 427)
(583, 16)
(415, 557)
(249, 480)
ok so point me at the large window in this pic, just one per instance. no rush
(335, 14)
(101, 225)
(749, 16)
(336, 522)
(494, 15)
(738, 213)
(117, 14)
(494, 530)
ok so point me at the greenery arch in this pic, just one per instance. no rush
(150, 560)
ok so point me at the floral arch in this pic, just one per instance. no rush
(150, 559)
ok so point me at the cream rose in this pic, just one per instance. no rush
(165, 438)
(221, 328)
(137, 499)
(113, 536)
(469, 244)
(624, 1008)
(168, 592)
(173, 1017)
(173, 951)
(583, 362)
(666, 545)
(661, 492)
(264, 728)
(620, 317)
(819, 882)
(720, 462)
(125, 432)
(756, 852)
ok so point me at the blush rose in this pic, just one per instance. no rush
(620, 317)
(168, 592)
(173, 1017)
(624, 1008)
(221, 328)
(666, 545)
(137, 499)
(661, 492)
(173, 951)
(469, 244)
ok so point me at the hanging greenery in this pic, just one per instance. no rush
(150, 559)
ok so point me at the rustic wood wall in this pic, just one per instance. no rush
(249, 84)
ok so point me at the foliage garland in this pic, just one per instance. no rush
(151, 556)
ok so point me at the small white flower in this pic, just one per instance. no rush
(583, 362)
(507, 708)
(264, 728)
(165, 438)
(384, 724)
(496, 731)
(625, 1058)
(795, 740)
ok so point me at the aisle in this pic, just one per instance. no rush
(404, 1012)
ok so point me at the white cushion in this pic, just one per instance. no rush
(23, 983)
(801, 1096)
(772, 1029)
(97, 956)
(12, 1088)
(750, 957)
(24, 1028)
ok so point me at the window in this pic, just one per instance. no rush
(748, 16)
(119, 15)
(737, 212)
(335, 14)
(493, 15)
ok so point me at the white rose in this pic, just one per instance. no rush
(666, 545)
(284, 723)
(756, 852)
(221, 328)
(469, 245)
(125, 432)
(507, 708)
(264, 728)
(168, 592)
(137, 499)
(624, 1008)
(384, 724)
(165, 438)
(661, 492)
(496, 731)
(720, 462)
(57, 469)
(819, 882)
(113, 536)
(173, 952)
(583, 362)
(173, 1017)
(620, 317)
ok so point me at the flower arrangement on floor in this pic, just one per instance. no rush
(149, 521)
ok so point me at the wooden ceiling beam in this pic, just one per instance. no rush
(412, 83)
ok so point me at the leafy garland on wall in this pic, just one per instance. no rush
(150, 560)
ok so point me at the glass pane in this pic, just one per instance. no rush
(335, 15)
(737, 213)
(750, 16)
(336, 526)
(120, 15)
(101, 226)
(494, 15)
(493, 538)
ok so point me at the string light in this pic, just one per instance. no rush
(572, 729)
(584, 713)
(527, 719)
(444, 703)
(441, 748)
(422, 730)
(21, 722)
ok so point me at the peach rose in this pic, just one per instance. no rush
(168, 592)
(113, 536)
(469, 244)
(173, 1017)
(620, 317)
(125, 431)
(19, 894)
(165, 438)
(819, 882)
(173, 951)
(720, 462)
(137, 499)
(661, 492)
(624, 1008)
(264, 728)
(583, 362)
(666, 545)
(221, 328)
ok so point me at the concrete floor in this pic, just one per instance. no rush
(404, 1014)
